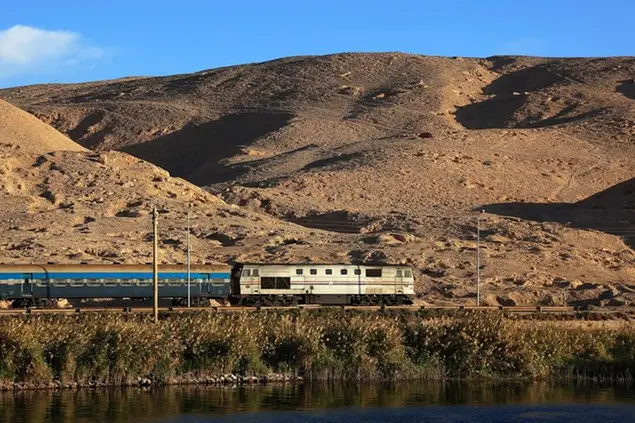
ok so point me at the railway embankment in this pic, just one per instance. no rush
(65, 352)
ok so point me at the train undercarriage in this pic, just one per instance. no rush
(250, 300)
(292, 300)
(53, 302)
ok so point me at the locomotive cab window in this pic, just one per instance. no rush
(299, 271)
(255, 272)
(313, 271)
(246, 272)
(344, 271)
(407, 273)
(373, 273)
(328, 271)
(357, 272)
(399, 273)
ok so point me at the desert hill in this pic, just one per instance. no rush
(25, 132)
(389, 157)
(63, 203)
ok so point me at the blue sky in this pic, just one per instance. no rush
(70, 41)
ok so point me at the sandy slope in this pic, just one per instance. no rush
(21, 129)
(376, 157)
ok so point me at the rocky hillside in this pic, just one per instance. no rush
(385, 157)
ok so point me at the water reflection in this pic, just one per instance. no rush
(134, 405)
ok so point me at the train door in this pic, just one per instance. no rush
(298, 279)
(399, 275)
(27, 284)
(235, 279)
(204, 285)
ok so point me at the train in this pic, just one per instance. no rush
(247, 284)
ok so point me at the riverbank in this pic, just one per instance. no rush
(330, 344)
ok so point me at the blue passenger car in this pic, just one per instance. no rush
(40, 285)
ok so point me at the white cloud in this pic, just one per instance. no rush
(24, 49)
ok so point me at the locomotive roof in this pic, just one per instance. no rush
(326, 264)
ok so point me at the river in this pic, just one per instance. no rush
(338, 403)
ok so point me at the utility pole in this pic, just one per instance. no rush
(155, 264)
(189, 251)
(478, 259)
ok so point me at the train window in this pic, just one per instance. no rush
(283, 283)
(275, 282)
(357, 272)
(407, 273)
(344, 271)
(268, 283)
(313, 271)
(399, 273)
(373, 273)
(255, 272)
(328, 271)
(93, 282)
(246, 272)
(299, 271)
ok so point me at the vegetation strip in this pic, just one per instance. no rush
(97, 350)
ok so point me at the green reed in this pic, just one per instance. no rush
(319, 344)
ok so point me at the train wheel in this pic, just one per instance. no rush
(45, 302)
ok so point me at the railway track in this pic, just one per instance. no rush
(225, 309)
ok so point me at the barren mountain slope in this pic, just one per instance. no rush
(95, 207)
(62, 203)
(390, 156)
(28, 134)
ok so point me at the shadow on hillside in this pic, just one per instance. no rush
(82, 130)
(529, 79)
(195, 151)
(334, 161)
(611, 211)
(341, 221)
(627, 88)
(511, 92)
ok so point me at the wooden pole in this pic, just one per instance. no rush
(478, 261)
(189, 251)
(155, 264)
